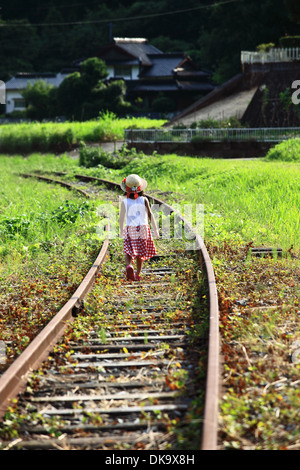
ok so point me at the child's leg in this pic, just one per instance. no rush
(128, 259)
(129, 268)
(139, 265)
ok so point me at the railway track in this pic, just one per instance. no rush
(123, 365)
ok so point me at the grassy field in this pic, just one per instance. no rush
(58, 137)
(248, 200)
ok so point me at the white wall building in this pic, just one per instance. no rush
(15, 86)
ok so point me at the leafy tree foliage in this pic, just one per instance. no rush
(81, 96)
(41, 99)
(213, 36)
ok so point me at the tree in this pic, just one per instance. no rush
(41, 100)
(69, 96)
(82, 95)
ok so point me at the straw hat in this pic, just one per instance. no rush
(133, 183)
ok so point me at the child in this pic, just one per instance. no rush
(135, 210)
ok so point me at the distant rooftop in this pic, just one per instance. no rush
(162, 64)
(20, 80)
(137, 47)
(130, 40)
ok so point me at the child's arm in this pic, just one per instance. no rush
(151, 219)
(122, 218)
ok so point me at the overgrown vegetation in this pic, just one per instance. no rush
(259, 324)
(47, 244)
(243, 200)
(81, 96)
(288, 151)
(62, 136)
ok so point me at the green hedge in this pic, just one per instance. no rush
(288, 151)
(290, 41)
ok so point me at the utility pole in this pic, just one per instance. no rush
(110, 32)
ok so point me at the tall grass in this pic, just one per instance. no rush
(288, 151)
(59, 137)
(254, 200)
(36, 218)
(249, 200)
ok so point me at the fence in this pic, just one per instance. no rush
(273, 55)
(270, 134)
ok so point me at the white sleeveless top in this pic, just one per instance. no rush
(136, 212)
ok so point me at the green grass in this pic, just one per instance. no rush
(288, 151)
(33, 220)
(48, 243)
(246, 200)
(251, 200)
(58, 137)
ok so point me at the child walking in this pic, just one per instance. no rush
(136, 214)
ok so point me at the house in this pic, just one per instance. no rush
(18, 83)
(149, 73)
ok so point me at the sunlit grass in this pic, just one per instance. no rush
(249, 200)
(254, 200)
(59, 136)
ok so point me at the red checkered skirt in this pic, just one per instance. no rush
(138, 242)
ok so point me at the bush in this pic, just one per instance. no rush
(93, 156)
(61, 140)
(287, 151)
(13, 226)
(265, 47)
(68, 212)
(290, 41)
(163, 104)
(209, 123)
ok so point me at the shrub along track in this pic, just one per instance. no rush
(126, 365)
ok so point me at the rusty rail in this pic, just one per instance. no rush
(14, 379)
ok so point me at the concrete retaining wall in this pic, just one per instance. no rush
(248, 149)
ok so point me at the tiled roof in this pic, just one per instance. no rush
(20, 81)
(138, 47)
(163, 65)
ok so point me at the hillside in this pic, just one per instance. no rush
(40, 36)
